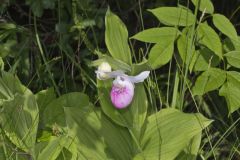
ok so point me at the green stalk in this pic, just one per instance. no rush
(44, 58)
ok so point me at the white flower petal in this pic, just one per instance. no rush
(140, 77)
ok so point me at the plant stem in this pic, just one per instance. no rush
(44, 58)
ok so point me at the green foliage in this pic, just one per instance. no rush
(116, 37)
(52, 106)
(225, 26)
(174, 16)
(156, 35)
(203, 58)
(19, 115)
(161, 53)
(133, 116)
(38, 6)
(208, 37)
(170, 131)
(204, 5)
(233, 58)
(209, 80)
(230, 90)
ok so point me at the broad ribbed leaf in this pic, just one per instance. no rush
(205, 5)
(174, 16)
(209, 80)
(231, 91)
(9, 86)
(208, 37)
(116, 38)
(19, 119)
(131, 117)
(168, 132)
(161, 53)
(233, 58)
(225, 26)
(44, 97)
(96, 136)
(155, 35)
(50, 149)
(191, 151)
(54, 112)
(19, 113)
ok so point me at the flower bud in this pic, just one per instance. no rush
(103, 69)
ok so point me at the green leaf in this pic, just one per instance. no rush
(161, 53)
(209, 80)
(233, 58)
(19, 112)
(54, 112)
(50, 149)
(191, 151)
(225, 26)
(140, 67)
(185, 46)
(228, 45)
(9, 86)
(7, 48)
(116, 38)
(174, 16)
(44, 97)
(204, 58)
(96, 137)
(19, 119)
(168, 132)
(204, 5)
(208, 37)
(155, 35)
(131, 117)
(231, 90)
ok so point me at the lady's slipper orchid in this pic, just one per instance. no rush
(123, 86)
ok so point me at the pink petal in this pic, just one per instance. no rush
(121, 97)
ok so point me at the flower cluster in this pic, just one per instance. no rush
(122, 91)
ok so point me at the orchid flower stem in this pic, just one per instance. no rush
(135, 140)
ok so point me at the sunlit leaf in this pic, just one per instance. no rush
(233, 58)
(50, 149)
(168, 132)
(96, 136)
(19, 120)
(231, 90)
(204, 58)
(155, 35)
(191, 151)
(185, 46)
(208, 37)
(54, 111)
(19, 112)
(161, 53)
(225, 26)
(116, 38)
(205, 5)
(209, 80)
(44, 97)
(175, 16)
